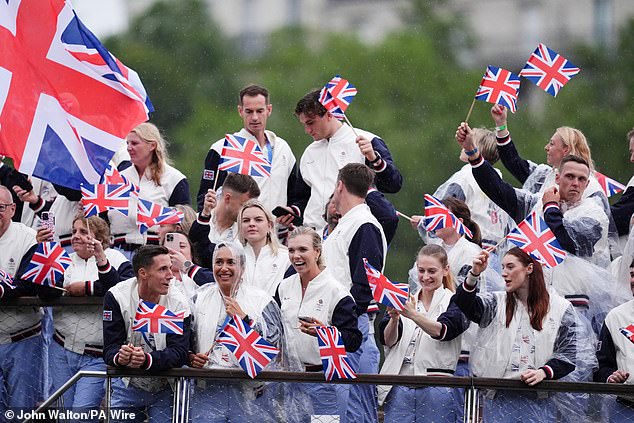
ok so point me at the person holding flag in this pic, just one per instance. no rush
(149, 350)
(334, 145)
(215, 305)
(254, 107)
(312, 298)
(423, 340)
(157, 181)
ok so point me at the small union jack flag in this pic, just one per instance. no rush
(535, 237)
(6, 279)
(243, 155)
(548, 70)
(438, 216)
(47, 265)
(337, 95)
(101, 198)
(154, 318)
(113, 177)
(628, 332)
(252, 351)
(499, 86)
(333, 354)
(150, 214)
(608, 185)
(385, 291)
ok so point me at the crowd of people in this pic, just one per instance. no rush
(285, 254)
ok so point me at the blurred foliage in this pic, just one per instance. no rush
(412, 93)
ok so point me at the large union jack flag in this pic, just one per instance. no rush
(608, 185)
(499, 86)
(154, 318)
(438, 216)
(385, 291)
(66, 103)
(333, 354)
(548, 70)
(535, 237)
(252, 351)
(47, 265)
(101, 198)
(628, 332)
(337, 95)
(243, 155)
(150, 214)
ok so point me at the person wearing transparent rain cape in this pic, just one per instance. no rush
(423, 340)
(234, 401)
(521, 346)
(310, 298)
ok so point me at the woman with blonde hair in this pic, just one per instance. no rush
(423, 340)
(267, 261)
(157, 181)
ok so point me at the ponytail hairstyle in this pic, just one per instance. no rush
(460, 209)
(538, 296)
(439, 253)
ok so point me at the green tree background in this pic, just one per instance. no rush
(412, 92)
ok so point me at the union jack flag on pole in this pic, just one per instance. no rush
(243, 155)
(66, 103)
(385, 291)
(608, 185)
(548, 70)
(101, 198)
(154, 318)
(337, 95)
(438, 216)
(628, 332)
(252, 351)
(151, 214)
(112, 177)
(47, 265)
(333, 354)
(499, 86)
(535, 237)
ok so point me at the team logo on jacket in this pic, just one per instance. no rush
(320, 305)
(208, 175)
(107, 315)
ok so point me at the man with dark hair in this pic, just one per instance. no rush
(254, 107)
(124, 347)
(217, 223)
(622, 210)
(335, 145)
(357, 236)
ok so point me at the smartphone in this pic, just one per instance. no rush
(173, 240)
(48, 221)
(281, 211)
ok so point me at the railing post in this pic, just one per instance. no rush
(471, 405)
(180, 412)
(108, 397)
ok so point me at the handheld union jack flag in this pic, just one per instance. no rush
(66, 103)
(438, 216)
(154, 318)
(337, 95)
(252, 351)
(548, 70)
(333, 354)
(101, 198)
(47, 265)
(535, 237)
(499, 86)
(6, 279)
(385, 291)
(150, 214)
(608, 185)
(628, 332)
(243, 155)
(112, 177)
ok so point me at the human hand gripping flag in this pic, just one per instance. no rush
(385, 291)
(154, 318)
(548, 70)
(252, 351)
(438, 216)
(333, 354)
(535, 237)
(48, 264)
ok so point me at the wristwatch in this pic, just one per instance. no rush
(376, 160)
(187, 264)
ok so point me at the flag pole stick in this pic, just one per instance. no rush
(403, 215)
(470, 110)
(348, 122)
(495, 247)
